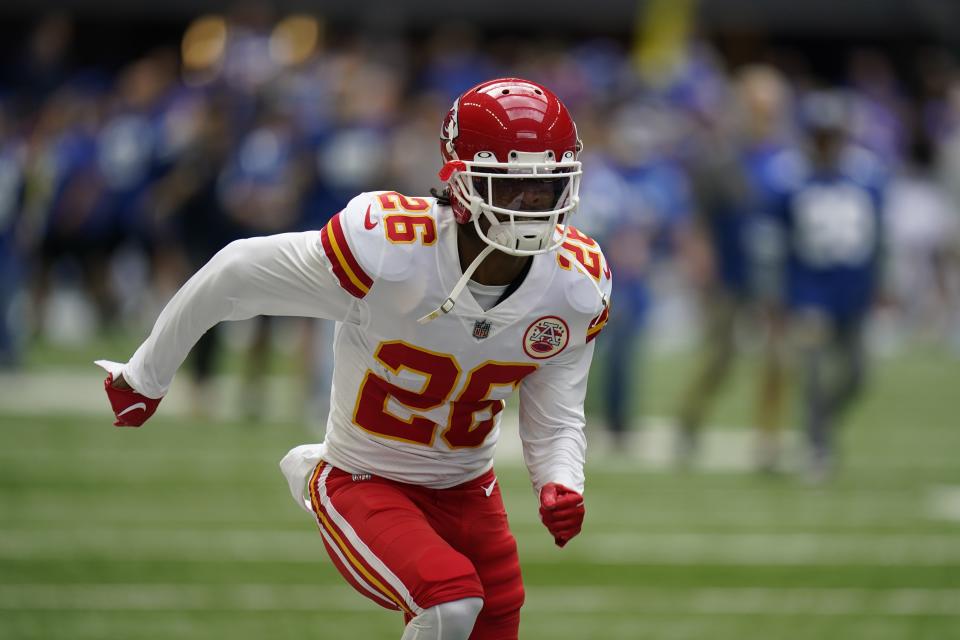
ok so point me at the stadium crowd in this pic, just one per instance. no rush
(118, 183)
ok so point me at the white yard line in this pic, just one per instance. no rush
(750, 600)
(80, 393)
(736, 601)
(943, 503)
(662, 548)
(776, 549)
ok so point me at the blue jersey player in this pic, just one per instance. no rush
(832, 231)
(640, 209)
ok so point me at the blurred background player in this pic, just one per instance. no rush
(923, 230)
(74, 235)
(188, 210)
(639, 203)
(261, 190)
(833, 238)
(12, 241)
(743, 166)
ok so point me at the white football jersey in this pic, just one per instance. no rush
(416, 403)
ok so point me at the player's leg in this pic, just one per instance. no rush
(813, 336)
(382, 543)
(10, 326)
(447, 621)
(203, 366)
(472, 517)
(772, 383)
(255, 370)
(620, 388)
(718, 350)
(850, 367)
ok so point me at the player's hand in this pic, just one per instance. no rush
(562, 511)
(132, 409)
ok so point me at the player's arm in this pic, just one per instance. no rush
(286, 274)
(554, 445)
(884, 288)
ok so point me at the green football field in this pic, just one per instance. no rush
(186, 530)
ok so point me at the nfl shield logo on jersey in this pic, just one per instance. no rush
(481, 329)
(546, 337)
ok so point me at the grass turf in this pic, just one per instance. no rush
(186, 530)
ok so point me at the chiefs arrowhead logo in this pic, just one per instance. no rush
(546, 337)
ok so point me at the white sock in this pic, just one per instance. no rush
(448, 621)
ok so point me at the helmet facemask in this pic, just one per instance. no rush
(525, 201)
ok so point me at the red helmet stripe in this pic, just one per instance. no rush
(499, 121)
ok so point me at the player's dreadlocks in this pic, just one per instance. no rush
(442, 196)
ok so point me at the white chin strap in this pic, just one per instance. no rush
(458, 288)
(603, 298)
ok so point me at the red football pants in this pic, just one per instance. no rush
(409, 548)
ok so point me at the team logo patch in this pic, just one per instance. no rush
(546, 337)
(481, 329)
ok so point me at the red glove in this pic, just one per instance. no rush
(561, 510)
(131, 408)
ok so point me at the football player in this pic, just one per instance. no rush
(833, 239)
(743, 172)
(445, 305)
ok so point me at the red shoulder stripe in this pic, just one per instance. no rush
(345, 266)
(597, 324)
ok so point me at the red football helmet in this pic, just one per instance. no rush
(510, 152)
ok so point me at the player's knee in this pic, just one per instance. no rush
(504, 601)
(452, 620)
(502, 583)
(457, 617)
(500, 617)
(444, 576)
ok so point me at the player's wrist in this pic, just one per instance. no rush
(561, 511)
(130, 407)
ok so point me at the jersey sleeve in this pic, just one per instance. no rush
(350, 251)
(373, 239)
(552, 420)
(598, 322)
(590, 282)
(282, 275)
